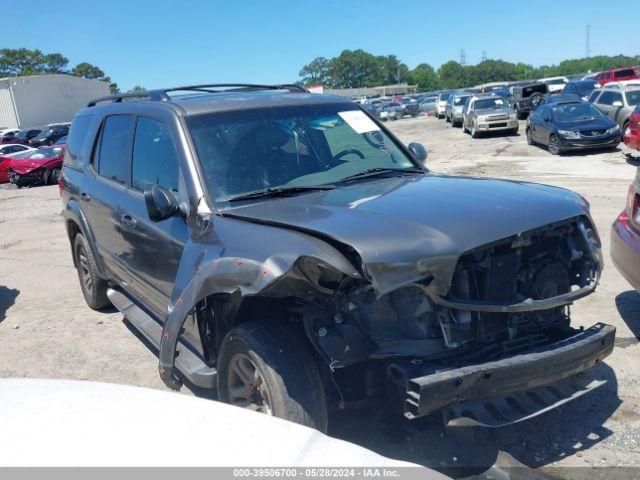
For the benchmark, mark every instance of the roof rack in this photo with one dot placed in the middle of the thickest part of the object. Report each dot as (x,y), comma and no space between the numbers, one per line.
(161,94)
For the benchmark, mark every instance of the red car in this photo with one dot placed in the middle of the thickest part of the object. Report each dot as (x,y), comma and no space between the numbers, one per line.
(625,237)
(40,167)
(616,75)
(631,136)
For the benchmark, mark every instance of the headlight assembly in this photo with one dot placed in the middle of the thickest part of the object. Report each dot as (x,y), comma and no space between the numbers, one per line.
(568,134)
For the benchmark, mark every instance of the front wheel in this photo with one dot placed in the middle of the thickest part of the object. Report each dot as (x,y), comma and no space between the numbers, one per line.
(264,368)
(529,137)
(474,132)
(54,176)
(554,145)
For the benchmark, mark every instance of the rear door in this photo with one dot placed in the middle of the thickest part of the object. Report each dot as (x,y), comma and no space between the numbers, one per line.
(153,249)
(105,189)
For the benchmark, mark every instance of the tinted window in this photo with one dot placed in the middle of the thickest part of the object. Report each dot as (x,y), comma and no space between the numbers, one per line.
(629,72)
(77,137)
(154,156)
(594,95)
(112,157)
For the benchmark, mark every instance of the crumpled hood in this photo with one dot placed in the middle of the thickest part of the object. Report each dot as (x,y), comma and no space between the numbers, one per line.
(407,228)
(25,166)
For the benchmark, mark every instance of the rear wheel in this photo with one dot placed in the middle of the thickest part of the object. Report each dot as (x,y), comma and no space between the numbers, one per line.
(264,368)
(93,287)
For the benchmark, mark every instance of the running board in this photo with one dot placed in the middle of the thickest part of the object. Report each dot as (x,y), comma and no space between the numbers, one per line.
(512,408)
(188,363)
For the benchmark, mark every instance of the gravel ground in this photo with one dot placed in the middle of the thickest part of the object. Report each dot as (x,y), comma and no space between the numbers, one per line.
(46,331)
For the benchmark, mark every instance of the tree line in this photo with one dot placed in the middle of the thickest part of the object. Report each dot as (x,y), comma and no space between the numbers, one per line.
(357,68)
(22,61)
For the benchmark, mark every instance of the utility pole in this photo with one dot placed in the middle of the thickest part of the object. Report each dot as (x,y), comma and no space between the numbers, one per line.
(463,57)
(484,55)
(587,49)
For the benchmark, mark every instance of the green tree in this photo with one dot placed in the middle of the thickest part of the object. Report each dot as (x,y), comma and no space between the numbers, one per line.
(391,70)
(452,75)
(315,72)
(136,89)
(354,69)
(22,61)
(491,71)
(425,77)
(86,70)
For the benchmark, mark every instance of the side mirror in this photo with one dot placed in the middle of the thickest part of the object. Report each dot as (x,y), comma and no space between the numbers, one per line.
(161,204)
(418,151)
(617,103)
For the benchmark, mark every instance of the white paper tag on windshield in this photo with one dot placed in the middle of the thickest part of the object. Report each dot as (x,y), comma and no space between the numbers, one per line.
(358,121)
(499,101)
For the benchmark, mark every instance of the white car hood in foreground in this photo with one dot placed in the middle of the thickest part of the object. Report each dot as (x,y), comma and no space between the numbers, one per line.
(70,423)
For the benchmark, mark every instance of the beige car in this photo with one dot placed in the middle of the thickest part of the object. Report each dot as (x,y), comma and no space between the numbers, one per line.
(488,113)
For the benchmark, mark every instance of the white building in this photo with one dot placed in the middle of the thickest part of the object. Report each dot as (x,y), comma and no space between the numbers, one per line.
(38,100)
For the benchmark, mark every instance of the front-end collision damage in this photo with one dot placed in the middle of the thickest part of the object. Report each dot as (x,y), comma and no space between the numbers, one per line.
(502,300)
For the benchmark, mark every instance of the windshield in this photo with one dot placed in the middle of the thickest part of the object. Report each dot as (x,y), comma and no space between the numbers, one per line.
(556,81)
(633,97)
(460,100)
(443,97)
(22,134)
(497,102)
(580,88)
(430,100)
(300,146)
(576,112)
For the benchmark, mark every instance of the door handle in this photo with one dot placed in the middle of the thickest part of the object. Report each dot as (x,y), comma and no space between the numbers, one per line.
(128,220)
(85,196)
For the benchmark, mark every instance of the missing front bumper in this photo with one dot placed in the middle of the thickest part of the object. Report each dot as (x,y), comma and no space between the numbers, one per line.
(543,367)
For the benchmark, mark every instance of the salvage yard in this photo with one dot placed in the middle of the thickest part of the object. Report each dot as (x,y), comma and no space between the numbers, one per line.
(47,331)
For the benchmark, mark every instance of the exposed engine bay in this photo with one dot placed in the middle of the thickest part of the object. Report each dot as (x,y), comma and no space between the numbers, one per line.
(409,322)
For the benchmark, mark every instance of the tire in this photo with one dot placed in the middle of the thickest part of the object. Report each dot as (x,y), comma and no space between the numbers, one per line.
(554,148)
(513,131)
(530,140)
(93,287)
(54,176)
(474,132)
(277,366)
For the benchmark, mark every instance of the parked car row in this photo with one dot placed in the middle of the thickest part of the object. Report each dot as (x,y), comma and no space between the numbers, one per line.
(25,165)
(35,136)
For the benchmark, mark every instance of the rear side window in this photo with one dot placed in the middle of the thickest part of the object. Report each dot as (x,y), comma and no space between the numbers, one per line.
(154,157)
(77,139)
(112,155)
(629,72)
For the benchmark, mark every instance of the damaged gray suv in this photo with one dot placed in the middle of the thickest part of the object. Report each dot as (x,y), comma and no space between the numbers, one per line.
(286,250)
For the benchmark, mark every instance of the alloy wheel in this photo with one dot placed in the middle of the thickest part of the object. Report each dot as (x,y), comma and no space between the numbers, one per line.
(247,388)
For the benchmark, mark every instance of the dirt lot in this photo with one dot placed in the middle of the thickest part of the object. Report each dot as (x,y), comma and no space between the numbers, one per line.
(47,331)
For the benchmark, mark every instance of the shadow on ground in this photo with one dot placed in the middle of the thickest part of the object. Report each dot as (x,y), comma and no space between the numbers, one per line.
(460,452)
(7,299)
(628,305)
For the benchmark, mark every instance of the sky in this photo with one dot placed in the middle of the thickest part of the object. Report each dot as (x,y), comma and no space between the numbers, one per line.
(163,43)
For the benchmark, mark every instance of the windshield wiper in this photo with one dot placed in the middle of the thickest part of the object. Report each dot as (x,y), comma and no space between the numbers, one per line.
(279,192)
(378,170)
